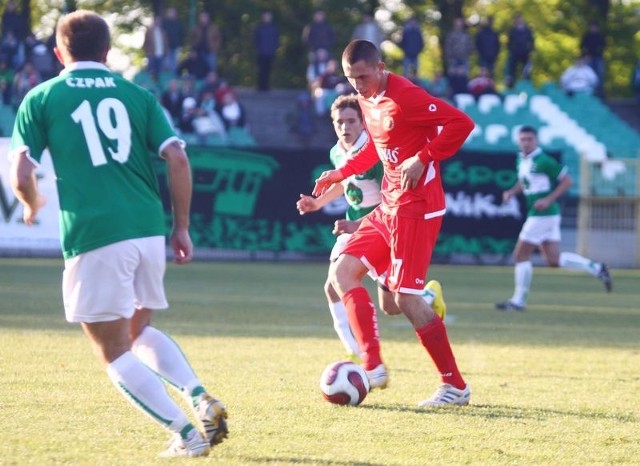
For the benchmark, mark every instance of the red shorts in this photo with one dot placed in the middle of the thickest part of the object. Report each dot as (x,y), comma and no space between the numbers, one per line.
(400,246)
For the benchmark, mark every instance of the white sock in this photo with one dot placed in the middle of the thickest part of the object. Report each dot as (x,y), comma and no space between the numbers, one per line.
(163,355)
(429,296)
(342,328)
(146,392)
(571,260)
(523,274)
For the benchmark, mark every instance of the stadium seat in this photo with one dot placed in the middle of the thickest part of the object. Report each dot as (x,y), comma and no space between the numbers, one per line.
(487,102)
(495,132)
(462,101)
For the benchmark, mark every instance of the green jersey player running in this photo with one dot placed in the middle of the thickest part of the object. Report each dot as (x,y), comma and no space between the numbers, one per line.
(101,131)
(542,180)
(362,193)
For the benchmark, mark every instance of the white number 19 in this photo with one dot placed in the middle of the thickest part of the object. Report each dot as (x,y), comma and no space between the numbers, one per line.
(113,122)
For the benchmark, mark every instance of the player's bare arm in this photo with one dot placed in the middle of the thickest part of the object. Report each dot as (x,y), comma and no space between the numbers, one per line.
(513,191)
(25,187)
(410,172)
(308,204)
(563,185)
(179,175)
(345,226)
(326,180)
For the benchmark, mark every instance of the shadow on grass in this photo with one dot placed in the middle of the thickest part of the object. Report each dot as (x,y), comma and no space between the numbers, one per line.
(290,460)
(488,411)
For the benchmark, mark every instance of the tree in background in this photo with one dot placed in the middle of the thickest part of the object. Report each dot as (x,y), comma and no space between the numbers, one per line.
(557,24)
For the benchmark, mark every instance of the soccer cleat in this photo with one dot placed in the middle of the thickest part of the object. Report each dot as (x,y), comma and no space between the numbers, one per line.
(448,395)
(605,277)
(378,377)
(212,415)
(194,445)
(510,306)
(438,305)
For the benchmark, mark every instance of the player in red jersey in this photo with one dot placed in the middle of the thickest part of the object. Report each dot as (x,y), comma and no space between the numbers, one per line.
(411,132)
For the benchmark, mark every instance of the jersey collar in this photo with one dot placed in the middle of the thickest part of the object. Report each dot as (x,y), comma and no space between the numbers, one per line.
(84,65)
(532,154)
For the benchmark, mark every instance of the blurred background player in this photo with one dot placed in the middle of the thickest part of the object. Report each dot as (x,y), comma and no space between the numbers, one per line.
(543,180)
(100,130)
(410,131)
(362,193)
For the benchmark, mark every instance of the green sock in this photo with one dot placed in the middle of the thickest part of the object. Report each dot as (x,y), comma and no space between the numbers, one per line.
(195,394)
(184,432)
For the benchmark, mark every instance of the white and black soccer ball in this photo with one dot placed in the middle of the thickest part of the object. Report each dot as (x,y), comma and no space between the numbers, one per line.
(344,383)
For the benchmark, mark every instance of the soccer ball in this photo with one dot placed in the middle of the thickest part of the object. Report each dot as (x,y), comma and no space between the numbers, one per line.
(344,383)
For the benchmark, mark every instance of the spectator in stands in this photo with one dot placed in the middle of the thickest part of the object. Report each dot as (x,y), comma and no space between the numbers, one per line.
(172,99)
(211,83)
(266,41)
(156,47)
(231,110)
(327,88)
(24,80)
(208,106)
(319,34)
(579,77)
(317,66)
(368,29)
(193,65)
(482,84)
(458,46)
(458,80)
(188,86)
(175,38)
(411,44)
(43,61)
(521,43)
(439,86)
(592,46)
(6,82)
(10,48)
(487,45)
(206,40)
(12,22)
(304,122)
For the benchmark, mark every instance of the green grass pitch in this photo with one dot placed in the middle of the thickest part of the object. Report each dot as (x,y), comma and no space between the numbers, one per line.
(555,385)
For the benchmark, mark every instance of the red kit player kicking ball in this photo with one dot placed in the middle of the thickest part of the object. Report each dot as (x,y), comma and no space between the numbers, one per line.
(398,237)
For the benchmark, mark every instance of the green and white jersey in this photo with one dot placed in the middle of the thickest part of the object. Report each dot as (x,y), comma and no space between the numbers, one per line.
(101,131)
(362,192)
(539,174)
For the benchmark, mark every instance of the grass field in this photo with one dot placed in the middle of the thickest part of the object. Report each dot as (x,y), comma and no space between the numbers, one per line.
(556,385)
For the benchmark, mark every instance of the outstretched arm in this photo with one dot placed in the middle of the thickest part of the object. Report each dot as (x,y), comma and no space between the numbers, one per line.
(308,204)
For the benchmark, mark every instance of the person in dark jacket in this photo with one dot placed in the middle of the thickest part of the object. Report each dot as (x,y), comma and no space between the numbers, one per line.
(319,34)
(592,46)
(266,40)
(411,44)
(487,45)
(521,44)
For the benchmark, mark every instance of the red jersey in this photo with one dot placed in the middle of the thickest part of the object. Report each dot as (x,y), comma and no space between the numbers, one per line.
(403,122)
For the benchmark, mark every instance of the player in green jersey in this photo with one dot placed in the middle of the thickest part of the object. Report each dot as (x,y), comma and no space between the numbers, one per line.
(101,131)
(362,193)
(542,180)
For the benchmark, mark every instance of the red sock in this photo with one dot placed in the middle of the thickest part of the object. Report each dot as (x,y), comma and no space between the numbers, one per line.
(362,318)
(433,337)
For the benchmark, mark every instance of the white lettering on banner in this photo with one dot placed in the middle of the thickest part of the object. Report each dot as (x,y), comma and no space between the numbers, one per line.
(480,205)
(14,234)
(88,83)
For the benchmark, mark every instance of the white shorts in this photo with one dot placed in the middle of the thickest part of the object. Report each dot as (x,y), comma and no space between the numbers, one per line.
(111,282)
(537,230)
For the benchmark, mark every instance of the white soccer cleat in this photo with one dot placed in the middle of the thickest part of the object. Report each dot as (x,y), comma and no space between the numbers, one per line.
(434,289)
(378,377)
(194,445)
(447,394)
(212,414)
